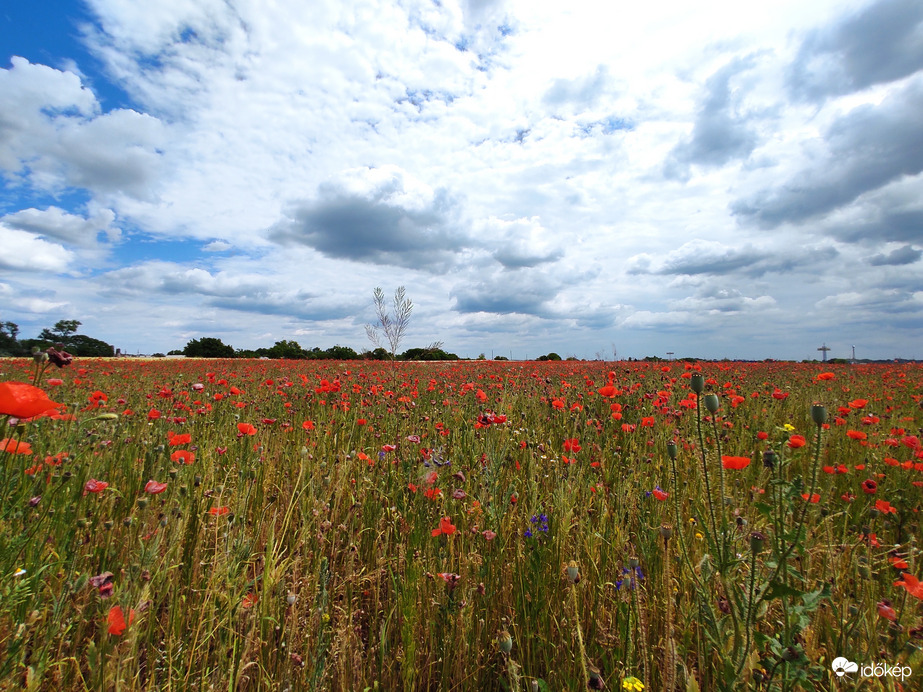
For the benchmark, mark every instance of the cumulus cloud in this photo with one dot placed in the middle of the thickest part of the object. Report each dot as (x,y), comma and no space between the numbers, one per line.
(880,43)
(906,254)
(865,149)
(227,290)
(23,251)
(698,257)
(507,292)
(721,132)
(379,216)
(53,135)
(58,224)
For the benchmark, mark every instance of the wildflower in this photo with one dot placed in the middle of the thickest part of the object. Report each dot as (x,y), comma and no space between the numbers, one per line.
(885,507)
(660,494)
(886,611)
(183,456)
(489,535)
(179,439)
(735,463)
(571,445)
(219,511)
(94,486)
(12,446)
(58,356)
(826,376)
(116,620)
(788,427)
(245,429)
(796,441)
(103,584)
(869,487)
(446,527)
(856,435)
(22,400)
(632,684)
(153,487)
(913,585)
(858,403)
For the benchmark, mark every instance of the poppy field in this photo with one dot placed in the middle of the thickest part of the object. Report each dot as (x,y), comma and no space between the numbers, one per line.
(319,525)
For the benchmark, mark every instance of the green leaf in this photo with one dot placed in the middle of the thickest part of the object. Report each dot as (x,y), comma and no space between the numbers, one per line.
(779,590)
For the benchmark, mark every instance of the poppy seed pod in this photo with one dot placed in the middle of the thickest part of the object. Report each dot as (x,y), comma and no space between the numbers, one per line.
(573,573)
(818,414)
(666,532)
(505,642)
(712,403)
(697,382)
(757,542)
(671,450)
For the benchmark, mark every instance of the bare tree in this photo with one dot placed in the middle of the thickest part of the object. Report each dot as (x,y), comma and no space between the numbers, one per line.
(391,326)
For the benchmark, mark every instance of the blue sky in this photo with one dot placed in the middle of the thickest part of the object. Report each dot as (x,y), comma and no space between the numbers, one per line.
(713,179)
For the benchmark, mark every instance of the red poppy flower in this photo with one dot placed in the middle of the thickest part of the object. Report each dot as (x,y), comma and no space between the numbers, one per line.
(885,507)
(308,425)
(886,611)
(245,429)
(181,439)
(183,456)
(445,527)
(660,494)
(826,376)
(219,511)
(572,445)
(869,486)
(153,487)
(913,585)
(55,381)
(796,441)
(116,620)
(153,414)
(735,463)
(897,562)
(22,400)
(856,435)
(94,486)
(814,499)
(858,403)
(8,444)
(762,435)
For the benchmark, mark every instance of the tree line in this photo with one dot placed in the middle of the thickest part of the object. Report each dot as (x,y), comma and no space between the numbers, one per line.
(64,334)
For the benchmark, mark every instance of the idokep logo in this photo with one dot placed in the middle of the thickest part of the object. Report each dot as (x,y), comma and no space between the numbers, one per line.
(842,666)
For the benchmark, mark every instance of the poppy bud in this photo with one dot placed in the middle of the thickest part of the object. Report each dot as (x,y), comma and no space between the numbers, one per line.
(769,459)
(697,382)
(671,450)
(757,542)
(712,403)
(819,414)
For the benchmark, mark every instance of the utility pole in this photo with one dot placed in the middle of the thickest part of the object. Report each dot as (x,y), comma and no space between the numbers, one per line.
(854,353)
(824,348)
(670,353)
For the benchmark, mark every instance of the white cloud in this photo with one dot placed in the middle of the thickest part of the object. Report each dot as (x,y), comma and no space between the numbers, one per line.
(503,159)
(23,251)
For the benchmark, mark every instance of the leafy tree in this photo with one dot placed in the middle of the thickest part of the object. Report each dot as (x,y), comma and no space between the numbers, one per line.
(549,356)
(61,332)
(8,344)
(376,354)
(208,347)
(290,350)
(391,326)
(87,346)
(340,353)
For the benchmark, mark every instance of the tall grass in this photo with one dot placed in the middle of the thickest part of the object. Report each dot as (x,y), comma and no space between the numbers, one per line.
(598,540)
